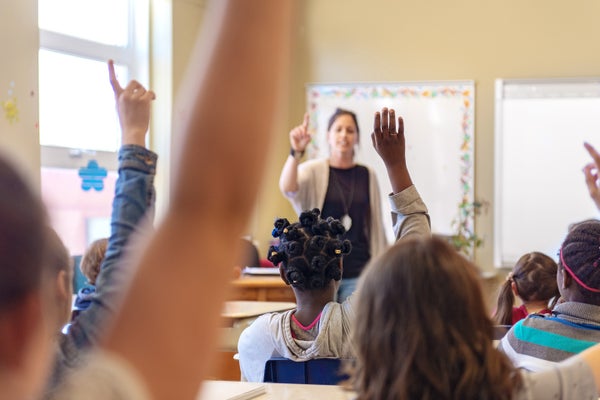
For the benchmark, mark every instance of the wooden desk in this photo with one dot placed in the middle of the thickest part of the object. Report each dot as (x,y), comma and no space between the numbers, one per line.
(240,309)
(261,288)
(222,390)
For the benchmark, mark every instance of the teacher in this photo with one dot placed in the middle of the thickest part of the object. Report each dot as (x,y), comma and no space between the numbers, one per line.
(340,188)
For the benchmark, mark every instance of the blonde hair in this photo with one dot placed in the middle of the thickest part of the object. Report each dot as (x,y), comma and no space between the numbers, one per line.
(92,259)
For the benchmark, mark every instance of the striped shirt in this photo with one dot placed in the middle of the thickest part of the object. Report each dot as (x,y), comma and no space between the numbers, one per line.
(540,341)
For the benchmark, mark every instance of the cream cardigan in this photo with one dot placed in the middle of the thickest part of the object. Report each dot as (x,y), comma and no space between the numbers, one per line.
(313,180)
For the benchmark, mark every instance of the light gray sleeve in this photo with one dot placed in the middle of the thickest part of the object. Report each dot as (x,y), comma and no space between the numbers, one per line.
(571,379)
(409,214)
(255,347)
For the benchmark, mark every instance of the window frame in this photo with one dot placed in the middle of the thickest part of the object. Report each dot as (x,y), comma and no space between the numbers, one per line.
(134,56)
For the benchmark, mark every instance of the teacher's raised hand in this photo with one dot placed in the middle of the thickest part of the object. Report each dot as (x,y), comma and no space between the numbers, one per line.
(299,136)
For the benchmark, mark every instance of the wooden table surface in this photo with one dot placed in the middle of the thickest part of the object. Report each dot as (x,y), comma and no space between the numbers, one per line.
(261,288)
(223,390)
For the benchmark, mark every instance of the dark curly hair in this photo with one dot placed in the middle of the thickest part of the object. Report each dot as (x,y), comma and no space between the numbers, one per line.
(580,256)
(310,251)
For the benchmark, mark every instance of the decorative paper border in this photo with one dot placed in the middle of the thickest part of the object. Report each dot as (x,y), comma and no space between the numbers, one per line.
(461,90)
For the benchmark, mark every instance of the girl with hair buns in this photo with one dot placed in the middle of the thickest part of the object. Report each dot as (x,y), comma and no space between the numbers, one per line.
(311,254)
(533,280)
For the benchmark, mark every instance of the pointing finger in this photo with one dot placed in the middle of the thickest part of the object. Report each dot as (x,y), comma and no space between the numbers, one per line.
(112,76)
(592,151)
(305,122)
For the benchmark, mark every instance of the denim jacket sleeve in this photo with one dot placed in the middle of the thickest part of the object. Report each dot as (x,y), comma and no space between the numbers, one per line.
(134,200)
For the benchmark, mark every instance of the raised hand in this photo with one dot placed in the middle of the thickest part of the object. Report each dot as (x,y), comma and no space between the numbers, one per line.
(299,136)
(388,141)
(133,108)
(591,174)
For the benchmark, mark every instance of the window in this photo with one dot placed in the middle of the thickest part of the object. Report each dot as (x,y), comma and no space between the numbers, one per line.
(78,122)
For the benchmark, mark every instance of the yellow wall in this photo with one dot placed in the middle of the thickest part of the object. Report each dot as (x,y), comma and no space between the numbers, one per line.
(382,40)
(19,42)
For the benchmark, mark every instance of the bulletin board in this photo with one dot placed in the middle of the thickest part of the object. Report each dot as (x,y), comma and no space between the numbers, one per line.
(540,189)
(438,126)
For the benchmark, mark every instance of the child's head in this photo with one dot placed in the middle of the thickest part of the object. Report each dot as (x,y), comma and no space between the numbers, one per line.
(422,329)
(579,263)
(92,259)
(27,328)
(310,251)
(533,278)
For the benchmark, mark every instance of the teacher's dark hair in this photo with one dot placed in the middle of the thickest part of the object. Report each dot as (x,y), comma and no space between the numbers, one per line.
(338,113)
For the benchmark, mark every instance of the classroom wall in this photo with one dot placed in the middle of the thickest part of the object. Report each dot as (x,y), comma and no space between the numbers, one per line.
(381,40)
(353,41)
(19,42)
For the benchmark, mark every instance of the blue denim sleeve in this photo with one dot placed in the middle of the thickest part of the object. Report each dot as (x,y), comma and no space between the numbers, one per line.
(134,200)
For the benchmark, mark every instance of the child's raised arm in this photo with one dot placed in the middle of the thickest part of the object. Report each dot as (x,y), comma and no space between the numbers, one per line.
(231,95)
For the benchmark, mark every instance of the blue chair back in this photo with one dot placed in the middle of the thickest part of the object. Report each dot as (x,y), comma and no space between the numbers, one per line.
(318,371)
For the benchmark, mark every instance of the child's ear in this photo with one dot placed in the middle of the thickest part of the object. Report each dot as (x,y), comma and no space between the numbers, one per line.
(62,286)
(513,286)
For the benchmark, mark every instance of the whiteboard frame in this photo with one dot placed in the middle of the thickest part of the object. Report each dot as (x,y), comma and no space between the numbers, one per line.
(461,90)
(499,97)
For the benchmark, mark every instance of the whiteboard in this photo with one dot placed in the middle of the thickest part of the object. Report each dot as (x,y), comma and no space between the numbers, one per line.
(438,126)
(539,185)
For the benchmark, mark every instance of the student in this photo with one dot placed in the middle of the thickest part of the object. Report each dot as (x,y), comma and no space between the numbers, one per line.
(26,286)
(310,260)
(340,188)
(533,280)
(249,254)
(310,256)
(574,325)
(422,331)
(540,341)
(154,348)
(92,259)
(90,268)
(133,203)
